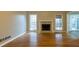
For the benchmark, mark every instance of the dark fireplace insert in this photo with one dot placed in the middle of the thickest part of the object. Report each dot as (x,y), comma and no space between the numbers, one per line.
(45,27)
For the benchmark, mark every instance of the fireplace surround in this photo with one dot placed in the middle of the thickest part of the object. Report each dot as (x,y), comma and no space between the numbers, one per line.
(45,26)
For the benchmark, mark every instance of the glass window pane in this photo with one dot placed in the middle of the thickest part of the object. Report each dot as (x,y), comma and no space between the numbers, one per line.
(58,22)
(73,22)
(77,22)
(33,22)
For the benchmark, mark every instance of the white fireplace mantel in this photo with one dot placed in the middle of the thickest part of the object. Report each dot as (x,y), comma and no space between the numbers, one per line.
(45,22)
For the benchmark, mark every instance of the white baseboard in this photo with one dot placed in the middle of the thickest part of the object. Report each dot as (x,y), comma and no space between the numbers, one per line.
(9,40)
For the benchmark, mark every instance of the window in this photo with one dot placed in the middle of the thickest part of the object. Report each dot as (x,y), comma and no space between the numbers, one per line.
(74,22)
(58,23)
(33,22)
(78,23)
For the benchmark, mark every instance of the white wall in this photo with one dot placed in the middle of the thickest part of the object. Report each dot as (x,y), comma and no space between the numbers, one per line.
(12,23)
(48,15)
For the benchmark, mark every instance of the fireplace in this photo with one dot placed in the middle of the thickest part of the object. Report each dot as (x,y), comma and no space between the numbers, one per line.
(46,27)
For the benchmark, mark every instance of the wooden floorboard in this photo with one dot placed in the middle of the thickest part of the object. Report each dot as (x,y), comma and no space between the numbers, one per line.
(45,40)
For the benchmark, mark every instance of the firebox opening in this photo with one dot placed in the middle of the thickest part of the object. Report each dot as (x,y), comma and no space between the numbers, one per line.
(45,27)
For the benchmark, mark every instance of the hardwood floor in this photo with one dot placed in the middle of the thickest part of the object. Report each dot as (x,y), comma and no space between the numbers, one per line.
(33,39)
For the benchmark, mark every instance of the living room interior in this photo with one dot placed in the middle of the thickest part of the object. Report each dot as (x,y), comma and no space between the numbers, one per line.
(39,28)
